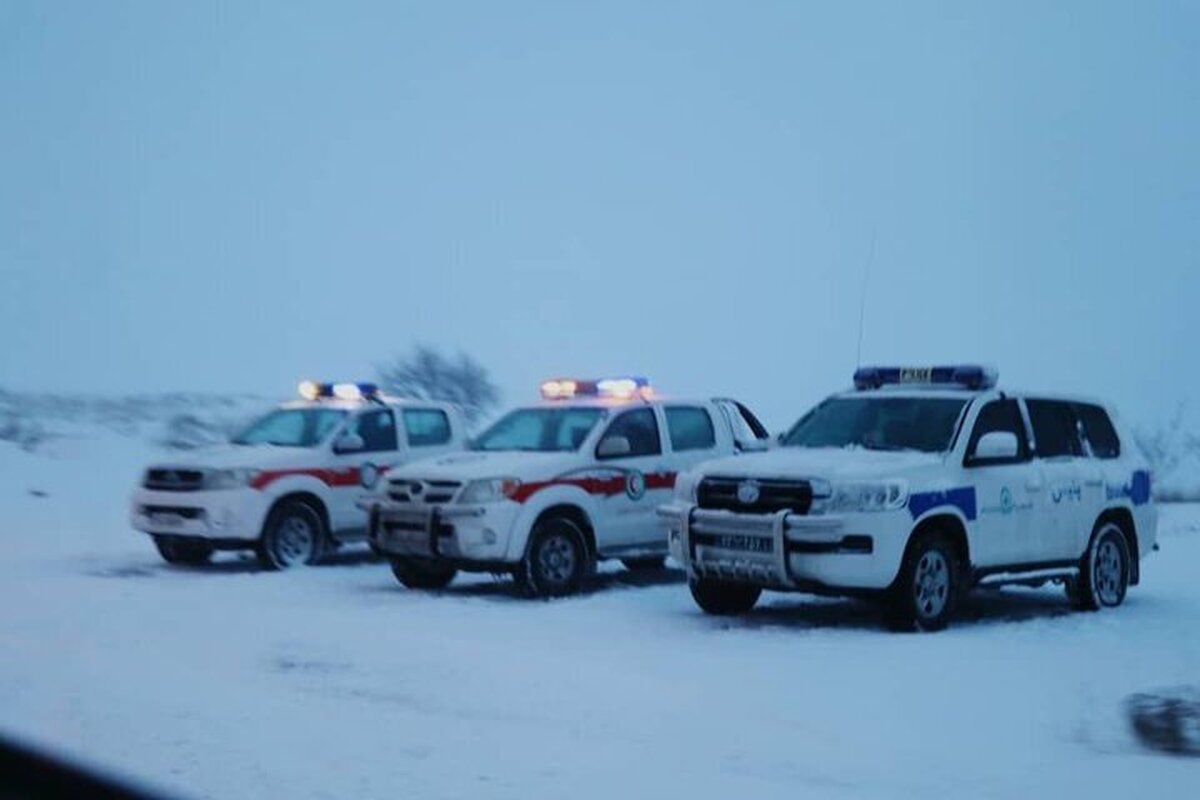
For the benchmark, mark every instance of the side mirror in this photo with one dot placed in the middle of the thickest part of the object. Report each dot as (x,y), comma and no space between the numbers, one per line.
(349,443)
(754,446)
(996,446)
(613,447)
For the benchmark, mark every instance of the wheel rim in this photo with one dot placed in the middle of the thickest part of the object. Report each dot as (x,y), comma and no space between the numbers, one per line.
(556,559)
(294,541)
(1107,572)
(931,585)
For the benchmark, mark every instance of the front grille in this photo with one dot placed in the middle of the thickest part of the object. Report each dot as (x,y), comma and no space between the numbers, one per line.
(179,511)
(411,490)
(174,480)
(772,495)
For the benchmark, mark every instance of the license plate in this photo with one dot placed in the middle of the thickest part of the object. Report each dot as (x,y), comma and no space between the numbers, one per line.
(746,544)
(167,520)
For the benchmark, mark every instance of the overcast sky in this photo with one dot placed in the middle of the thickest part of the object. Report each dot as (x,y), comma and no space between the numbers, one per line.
(232,196)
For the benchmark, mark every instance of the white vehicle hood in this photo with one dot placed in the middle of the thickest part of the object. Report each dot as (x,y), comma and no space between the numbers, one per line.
(830,463)
(476,465)
(231,456)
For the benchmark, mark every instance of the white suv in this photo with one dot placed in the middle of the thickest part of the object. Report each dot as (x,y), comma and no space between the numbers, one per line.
(286,486)
(549,489)
(915,487)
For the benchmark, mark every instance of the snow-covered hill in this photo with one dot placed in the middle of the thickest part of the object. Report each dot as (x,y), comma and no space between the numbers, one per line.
(178,419)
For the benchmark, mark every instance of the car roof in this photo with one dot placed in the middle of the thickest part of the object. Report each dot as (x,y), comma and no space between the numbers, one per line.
(969,394)
(608,403)
(917,391)
(359,405)
(1065,397)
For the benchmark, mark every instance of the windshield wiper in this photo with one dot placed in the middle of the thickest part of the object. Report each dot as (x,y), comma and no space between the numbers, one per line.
(881,448)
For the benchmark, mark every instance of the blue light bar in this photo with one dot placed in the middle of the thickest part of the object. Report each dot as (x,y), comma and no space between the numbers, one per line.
(969,376)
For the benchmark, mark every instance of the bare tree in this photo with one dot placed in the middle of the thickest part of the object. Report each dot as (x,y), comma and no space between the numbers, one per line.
(427,374)
(1163,445)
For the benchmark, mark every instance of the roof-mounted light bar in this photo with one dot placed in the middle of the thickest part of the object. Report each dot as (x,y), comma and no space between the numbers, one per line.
(618,388)
(969,376)
(311,390)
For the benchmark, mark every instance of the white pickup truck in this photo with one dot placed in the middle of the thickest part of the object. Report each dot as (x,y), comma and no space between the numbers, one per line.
(549,489)
(286,486)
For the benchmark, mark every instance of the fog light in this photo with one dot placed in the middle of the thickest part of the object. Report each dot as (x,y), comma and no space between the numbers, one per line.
(489,536)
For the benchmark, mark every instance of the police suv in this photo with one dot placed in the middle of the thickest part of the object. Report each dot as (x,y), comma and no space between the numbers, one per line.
(915,487)
(286,486)
(549,489)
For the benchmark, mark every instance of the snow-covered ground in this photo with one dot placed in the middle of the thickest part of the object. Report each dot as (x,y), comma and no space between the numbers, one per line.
(336,682)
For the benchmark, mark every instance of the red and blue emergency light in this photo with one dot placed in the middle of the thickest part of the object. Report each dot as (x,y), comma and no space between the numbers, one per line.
(619,388)
(312,390)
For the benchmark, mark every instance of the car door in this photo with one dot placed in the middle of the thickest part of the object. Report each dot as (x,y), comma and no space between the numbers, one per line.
(635,482)
(357,468)
(1058,450)
(1006,489)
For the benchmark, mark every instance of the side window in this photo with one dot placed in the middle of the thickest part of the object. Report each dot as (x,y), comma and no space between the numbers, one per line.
(426,426)
(640,428)
(690,428)
(378,431)
(1099,430)
(1055,429)
(1003,416)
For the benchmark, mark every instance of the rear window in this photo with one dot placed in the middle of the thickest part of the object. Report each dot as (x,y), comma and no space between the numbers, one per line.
(1098,428)
(690,428)
(1055,429)
(426,426)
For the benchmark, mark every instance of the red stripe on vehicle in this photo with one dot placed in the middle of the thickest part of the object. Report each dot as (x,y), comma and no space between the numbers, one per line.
(333,478)
(603,487)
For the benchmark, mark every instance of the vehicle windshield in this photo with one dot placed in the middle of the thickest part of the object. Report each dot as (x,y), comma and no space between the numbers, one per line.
(925,424)
(546,430)
(292,427)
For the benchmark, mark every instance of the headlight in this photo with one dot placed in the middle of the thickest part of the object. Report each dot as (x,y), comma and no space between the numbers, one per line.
(874,496)
(489,490)
(685,486)
(230,478)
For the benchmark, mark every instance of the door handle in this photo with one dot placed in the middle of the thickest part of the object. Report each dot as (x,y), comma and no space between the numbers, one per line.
(1093,482)
(1034,486)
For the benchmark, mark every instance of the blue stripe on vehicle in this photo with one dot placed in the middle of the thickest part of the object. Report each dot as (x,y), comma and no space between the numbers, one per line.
(962,498)
(1139,487)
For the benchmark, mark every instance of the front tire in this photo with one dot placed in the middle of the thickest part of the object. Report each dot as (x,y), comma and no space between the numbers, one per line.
(1103,572)
(556,560)
(293,536)
(178,551)
(422,573)
(926,590)
(723,599)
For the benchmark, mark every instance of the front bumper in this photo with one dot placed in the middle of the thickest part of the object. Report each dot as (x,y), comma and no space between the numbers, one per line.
(459,533)
(786,550)
(226,514)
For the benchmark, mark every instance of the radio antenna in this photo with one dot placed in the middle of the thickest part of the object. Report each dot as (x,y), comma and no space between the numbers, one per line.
(862,302)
